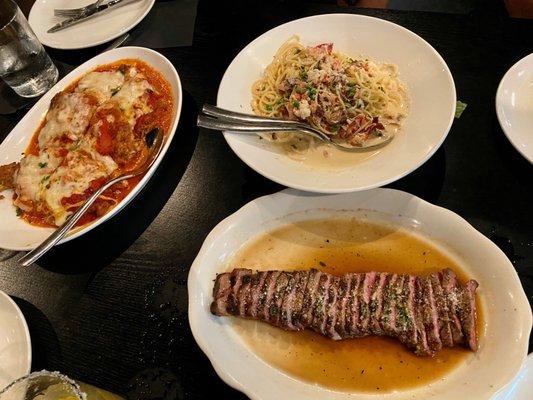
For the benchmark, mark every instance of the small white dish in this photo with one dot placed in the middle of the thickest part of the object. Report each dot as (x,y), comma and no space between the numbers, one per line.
(514,106)
(15,233)
(15,343)
(429,83)
(508,319)
(521,387)
(99,29)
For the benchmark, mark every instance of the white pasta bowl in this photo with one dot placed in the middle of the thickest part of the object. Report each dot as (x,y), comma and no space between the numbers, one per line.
(429,83)
(504,335)
(15,233)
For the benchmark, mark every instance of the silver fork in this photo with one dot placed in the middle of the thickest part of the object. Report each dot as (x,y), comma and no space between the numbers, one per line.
(76,12)
(219,119)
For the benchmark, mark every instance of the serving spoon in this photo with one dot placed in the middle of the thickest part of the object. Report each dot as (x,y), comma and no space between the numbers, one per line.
(220,119)
(154,140)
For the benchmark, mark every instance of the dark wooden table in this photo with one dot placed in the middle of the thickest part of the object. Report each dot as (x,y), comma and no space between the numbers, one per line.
(110,308)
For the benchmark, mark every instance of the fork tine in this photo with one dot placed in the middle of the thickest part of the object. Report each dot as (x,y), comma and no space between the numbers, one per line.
(58,12)
(66,13)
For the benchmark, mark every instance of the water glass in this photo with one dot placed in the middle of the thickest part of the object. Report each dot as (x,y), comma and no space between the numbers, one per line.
(24,64)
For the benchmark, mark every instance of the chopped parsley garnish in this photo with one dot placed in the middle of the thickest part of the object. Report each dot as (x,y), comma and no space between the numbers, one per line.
(296,104)
(18,211)
(269,107)
(115,91)
(311,91)
(351,91)
(42,164)
(45,178)
(303,75)
(334,128)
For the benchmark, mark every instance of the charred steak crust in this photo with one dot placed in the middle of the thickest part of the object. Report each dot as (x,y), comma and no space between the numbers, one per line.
(424,313)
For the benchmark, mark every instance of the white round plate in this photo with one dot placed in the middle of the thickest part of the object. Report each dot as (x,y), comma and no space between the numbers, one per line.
(99,29)
(514,106)
(430,86)
(521,387)
(503,338)
(15,344)
(15,233)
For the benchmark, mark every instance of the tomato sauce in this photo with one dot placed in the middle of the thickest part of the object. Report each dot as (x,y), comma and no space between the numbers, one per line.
(108,140)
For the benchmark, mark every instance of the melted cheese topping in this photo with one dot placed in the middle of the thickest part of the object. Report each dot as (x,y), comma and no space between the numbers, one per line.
(68,161)
(69,116)
(101,85)
(75,175)
(131,99)
(33,173)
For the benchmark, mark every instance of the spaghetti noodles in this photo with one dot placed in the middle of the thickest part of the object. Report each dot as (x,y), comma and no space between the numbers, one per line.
(350,99)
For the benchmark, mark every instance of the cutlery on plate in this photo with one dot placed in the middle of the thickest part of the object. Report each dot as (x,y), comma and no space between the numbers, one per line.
(220,119)
(154,140)
(86,15)
(74,12)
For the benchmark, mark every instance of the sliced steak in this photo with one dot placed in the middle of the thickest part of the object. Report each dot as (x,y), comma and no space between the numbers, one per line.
(445,332)
(376,304)
(388,315)
(310,295)
(366,294)
(333,309)
(449,288)
(424,313)
(279,294)
(468,313)
(430,315)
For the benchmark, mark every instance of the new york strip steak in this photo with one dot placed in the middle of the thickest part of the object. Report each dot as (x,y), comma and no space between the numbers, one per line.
(424,313)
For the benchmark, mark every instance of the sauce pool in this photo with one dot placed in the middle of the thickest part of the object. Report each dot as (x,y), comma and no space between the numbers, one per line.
(337,246)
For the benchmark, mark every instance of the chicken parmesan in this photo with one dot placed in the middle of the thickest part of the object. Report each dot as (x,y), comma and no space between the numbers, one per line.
(94,131)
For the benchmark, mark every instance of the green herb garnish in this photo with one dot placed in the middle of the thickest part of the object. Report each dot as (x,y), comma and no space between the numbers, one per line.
(296,104)
(45,178)
(269,107)
(42,164)
(303,75)
(459,108)
(18,211)
(351,91)
(115,91)
(311,91)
